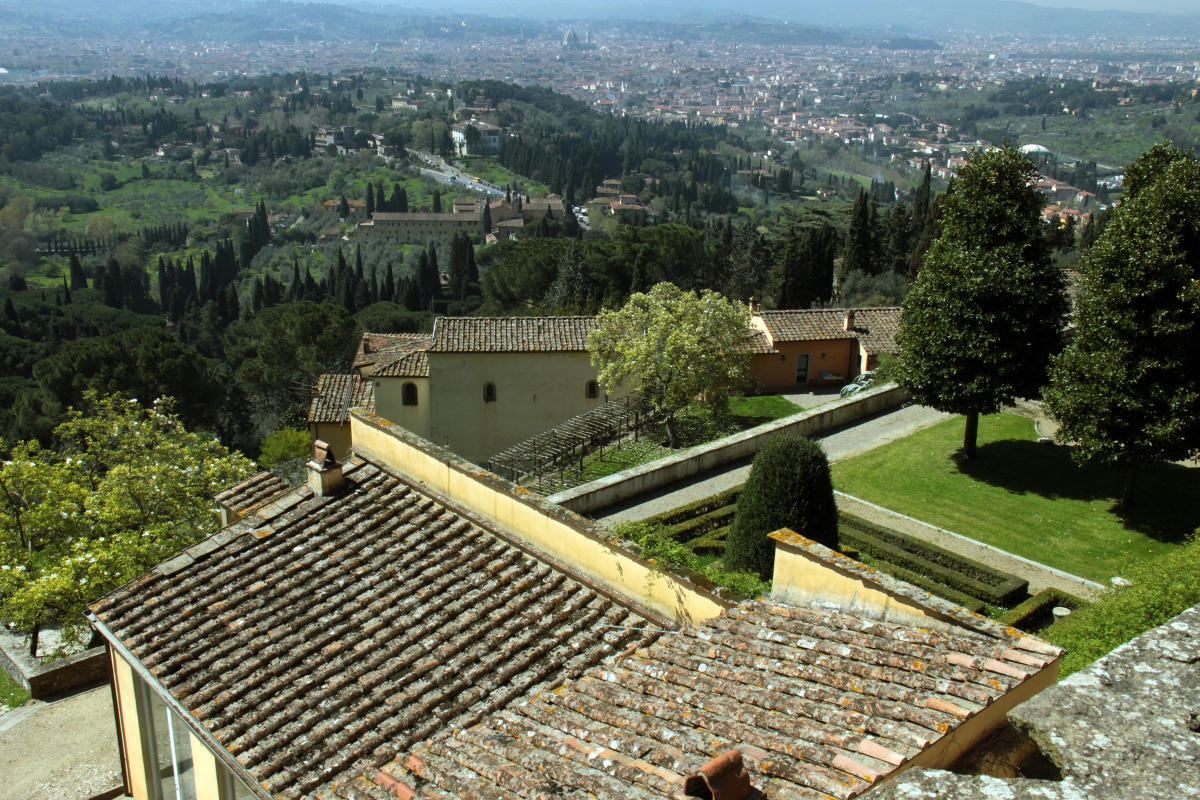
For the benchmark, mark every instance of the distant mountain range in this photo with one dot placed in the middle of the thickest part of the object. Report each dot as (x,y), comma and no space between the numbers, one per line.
(870,19)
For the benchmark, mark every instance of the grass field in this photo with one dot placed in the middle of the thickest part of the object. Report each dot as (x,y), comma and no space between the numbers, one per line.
(11,692)
(1025,497)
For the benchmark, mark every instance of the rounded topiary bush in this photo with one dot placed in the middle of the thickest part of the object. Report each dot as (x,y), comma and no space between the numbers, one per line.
(789,487)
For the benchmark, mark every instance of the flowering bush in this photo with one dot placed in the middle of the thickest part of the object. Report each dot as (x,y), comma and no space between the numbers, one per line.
(127,487)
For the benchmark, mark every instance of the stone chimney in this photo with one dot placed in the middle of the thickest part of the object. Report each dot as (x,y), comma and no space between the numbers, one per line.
(723,778)
(848,323)
(324,471)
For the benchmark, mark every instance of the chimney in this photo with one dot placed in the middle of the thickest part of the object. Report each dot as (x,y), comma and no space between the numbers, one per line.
(848,325)
(723,778)
(324,472)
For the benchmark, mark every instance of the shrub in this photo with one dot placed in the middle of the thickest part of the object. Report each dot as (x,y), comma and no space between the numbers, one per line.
(788,487)
(285,444)
(1162,587)
(935,563)
(1036,612)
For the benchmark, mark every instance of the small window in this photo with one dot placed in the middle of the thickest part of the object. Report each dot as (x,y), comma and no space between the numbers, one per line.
(408,394)
(592,390)
(489,393)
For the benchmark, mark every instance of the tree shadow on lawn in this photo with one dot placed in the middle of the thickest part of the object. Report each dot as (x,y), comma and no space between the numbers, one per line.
(1161,509)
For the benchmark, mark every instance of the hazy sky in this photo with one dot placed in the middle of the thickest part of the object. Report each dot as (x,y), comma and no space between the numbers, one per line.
(1150,6)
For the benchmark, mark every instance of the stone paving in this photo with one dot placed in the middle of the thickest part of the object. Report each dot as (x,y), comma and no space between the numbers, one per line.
(65,750)
(839,443)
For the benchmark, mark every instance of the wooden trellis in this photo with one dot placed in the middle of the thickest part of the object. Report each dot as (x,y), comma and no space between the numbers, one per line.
(544,462)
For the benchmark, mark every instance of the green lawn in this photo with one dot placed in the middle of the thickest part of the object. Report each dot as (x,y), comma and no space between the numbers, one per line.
(11,693)
(1025,497)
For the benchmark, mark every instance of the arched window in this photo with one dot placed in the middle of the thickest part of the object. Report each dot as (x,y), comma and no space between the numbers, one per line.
(408,394)
(489,393)
(592,390)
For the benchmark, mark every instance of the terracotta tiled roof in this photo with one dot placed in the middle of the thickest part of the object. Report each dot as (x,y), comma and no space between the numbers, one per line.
(821,703)
(317,637)
(393,355)
(336,395)
(255,490)
(803,325)
(760,344)
(510,334)
(876,329)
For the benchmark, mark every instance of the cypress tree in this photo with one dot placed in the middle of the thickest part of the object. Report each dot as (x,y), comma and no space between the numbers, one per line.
(789,487)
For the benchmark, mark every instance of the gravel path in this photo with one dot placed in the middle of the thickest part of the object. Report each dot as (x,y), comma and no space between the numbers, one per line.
(839,443)
(66,750)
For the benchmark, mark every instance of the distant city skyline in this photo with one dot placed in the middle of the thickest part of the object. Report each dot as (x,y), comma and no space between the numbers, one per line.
(1139,6)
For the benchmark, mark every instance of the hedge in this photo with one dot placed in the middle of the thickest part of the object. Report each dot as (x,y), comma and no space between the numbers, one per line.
(1163,586)
(698,526)
(698,508)
(959,573)
(1035,613)
(933,587)
(710,544)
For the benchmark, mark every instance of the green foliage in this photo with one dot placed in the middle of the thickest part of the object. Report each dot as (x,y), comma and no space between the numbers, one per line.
(932,563)
(986,311)
(788,487)
(1162,588)
(128,486)
(285,444)
(672,346)
(1036,613)
(1126,391)
(142,363)
(657,546)
(12,694)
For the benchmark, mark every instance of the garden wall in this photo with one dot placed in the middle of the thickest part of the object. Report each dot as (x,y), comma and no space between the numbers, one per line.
(620,486)
(44,678)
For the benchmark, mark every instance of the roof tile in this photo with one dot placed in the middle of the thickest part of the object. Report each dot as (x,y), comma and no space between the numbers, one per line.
(511,334)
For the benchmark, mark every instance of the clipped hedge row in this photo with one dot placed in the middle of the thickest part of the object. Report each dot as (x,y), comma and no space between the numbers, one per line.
(698,508)
(710,544)
(942,566)
(1036,612)
(933,587)
(705,523)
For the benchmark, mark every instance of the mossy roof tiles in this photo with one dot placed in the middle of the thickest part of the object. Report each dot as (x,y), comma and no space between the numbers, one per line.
(822,704)
(320,639)
(511,334)
(335,395)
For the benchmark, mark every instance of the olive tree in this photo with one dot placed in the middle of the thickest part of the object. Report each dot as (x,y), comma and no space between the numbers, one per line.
(673,347)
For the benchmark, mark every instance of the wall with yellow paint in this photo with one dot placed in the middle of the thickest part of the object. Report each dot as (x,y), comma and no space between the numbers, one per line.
(534,392)
(530,521)
(389,403)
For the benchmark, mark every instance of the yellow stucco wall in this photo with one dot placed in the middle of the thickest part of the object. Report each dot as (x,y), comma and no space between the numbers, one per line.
(127,720)
(389,403)
(534,392)
(532,522)
(205,772)
(778,371)
(801,579)
(336,436)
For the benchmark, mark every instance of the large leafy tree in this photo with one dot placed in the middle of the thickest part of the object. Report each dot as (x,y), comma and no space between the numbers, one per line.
(673,347)
(986,311)
(1126,391)
(128,487)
